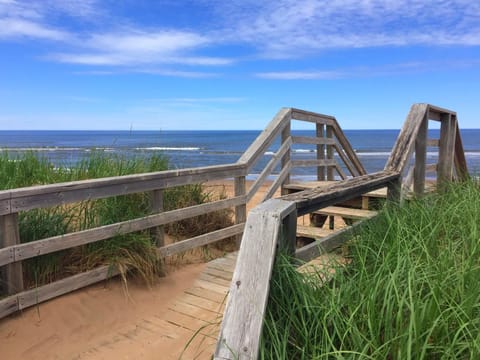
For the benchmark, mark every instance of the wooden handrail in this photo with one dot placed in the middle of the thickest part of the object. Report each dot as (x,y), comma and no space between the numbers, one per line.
(244,313)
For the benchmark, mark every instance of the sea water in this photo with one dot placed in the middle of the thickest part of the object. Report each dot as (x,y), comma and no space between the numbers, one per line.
(187,149)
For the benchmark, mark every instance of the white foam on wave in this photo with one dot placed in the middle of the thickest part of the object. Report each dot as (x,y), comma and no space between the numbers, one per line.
(168,148)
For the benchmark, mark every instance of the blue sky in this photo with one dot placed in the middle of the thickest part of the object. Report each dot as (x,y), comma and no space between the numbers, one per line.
(216,64)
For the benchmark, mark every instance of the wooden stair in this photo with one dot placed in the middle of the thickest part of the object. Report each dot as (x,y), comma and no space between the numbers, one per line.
(346,213)
(312,232)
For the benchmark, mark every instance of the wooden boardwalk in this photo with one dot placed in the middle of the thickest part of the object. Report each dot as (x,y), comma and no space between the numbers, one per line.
(188,330)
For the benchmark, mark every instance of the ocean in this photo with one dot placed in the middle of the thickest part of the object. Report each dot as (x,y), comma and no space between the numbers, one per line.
(186,149)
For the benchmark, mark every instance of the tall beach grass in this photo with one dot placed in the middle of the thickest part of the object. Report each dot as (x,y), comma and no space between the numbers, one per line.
(411,289)
(135,251)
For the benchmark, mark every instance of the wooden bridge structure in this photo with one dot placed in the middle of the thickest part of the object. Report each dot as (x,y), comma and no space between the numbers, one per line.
(342,189)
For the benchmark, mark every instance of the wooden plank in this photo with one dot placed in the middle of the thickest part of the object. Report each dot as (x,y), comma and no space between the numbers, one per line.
(8,306)
(286,140)
(313,140)
(379,193)
(211,286)
(267,170)
(430,168)
(215,279)
(446,150)
(206,294)
(201,303)
(59,194)
(320,132)
(222,274)
(460,161)
(340,171)
(278,182)
(308,185)
(243,320)
(312,232)
(64,286)
(10,237)
(309,116)
(158,232)
(314,199)
(346,161)
(311,163)
(56,243)
(435,112)
(328,243)
(420,158)
(330,148)
(200,240)
(265,139)
(240,189)
(7,255)
(348,213)
(347,147)
(196,312)
(404,145)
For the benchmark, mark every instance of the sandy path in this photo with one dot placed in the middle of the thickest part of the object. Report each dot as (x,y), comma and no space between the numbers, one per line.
(103,316)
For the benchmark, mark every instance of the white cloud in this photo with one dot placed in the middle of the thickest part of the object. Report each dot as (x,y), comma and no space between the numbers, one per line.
(133,47)
(13,28)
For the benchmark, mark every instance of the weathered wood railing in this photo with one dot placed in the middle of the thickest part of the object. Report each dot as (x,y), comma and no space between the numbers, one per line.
(413,139)
(329,140)
(272,224)
(269,226)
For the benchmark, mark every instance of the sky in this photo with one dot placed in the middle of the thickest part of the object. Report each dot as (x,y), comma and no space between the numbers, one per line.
(227,64)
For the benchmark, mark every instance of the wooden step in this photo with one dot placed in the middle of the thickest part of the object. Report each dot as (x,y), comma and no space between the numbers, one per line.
(312,232)
(347,213)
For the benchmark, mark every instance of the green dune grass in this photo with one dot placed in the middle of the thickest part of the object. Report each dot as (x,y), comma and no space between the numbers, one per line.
(410,291)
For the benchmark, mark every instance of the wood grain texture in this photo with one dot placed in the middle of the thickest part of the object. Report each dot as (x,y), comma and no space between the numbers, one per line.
(320,133)
(240,189)
(312,117)
(286,139)
(420,158)
(266,138)
(56,243)
(243,319)
(200,240)
(64,193)
(267,171)
(347,147)
(314,199)
(9,237)
(461,168)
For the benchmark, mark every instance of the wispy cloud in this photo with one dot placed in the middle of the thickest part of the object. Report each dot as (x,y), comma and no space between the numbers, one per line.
(15,28)
(290,28)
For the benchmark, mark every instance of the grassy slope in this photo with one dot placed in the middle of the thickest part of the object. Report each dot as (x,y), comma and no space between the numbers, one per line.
(411,290)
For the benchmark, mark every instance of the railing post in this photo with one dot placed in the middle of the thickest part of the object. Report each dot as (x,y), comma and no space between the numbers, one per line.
(394,190)
(446,149)
(240,210)
(286,133)
(288,235)
(158,233)
(320,132)
(10,235)
(329,153)
(420,158)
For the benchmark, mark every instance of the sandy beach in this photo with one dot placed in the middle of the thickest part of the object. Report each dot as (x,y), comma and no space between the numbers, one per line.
(63,328)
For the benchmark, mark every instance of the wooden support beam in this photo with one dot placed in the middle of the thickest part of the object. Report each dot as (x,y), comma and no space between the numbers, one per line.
(446,151)
(286,138)
(320,132)
(330,154)
(420,158)
(10,236)
(240,210)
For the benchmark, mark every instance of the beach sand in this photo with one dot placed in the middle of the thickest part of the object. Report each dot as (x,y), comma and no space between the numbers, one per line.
(65,327)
